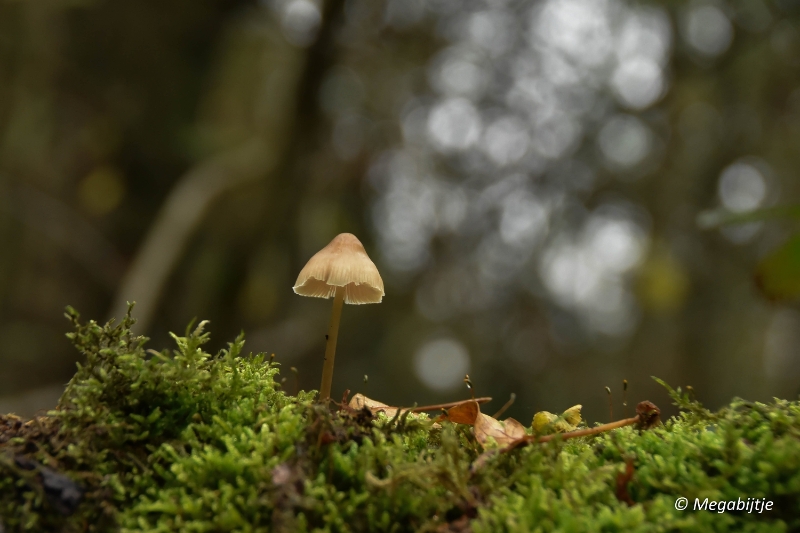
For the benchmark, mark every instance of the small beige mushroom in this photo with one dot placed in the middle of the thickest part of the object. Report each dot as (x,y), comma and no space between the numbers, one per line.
(342,270)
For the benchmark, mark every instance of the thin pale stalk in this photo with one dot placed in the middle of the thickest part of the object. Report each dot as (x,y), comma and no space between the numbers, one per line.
(587,432)
(330,345)
(447,405)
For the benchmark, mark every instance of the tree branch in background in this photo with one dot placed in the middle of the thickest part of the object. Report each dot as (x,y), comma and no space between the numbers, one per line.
(191,197)
(180,215)
(304,130)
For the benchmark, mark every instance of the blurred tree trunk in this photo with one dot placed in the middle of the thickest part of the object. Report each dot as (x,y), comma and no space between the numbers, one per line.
(292,141)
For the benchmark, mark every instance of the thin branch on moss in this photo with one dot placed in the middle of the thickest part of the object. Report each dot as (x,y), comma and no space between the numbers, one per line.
(648,416)
(508,404)
(448,405)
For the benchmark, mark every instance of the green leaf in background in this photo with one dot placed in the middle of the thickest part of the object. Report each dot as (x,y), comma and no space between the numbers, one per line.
(778,274)
(714,218)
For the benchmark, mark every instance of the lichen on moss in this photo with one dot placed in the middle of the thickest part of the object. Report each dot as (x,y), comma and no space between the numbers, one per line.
(183,440)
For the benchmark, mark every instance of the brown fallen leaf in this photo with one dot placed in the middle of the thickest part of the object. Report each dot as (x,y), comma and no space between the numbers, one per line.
(464,413)
(464,409)
(359,401)
(503,433)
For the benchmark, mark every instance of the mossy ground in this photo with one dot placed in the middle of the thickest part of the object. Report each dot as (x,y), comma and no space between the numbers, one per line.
(188,441)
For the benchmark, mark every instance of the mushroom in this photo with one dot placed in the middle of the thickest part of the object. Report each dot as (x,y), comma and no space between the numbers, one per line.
(343,270)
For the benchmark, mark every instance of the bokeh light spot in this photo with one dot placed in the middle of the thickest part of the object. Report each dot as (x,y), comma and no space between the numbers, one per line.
(456,72)
(441,364)
(742,187)
(454,124)
(506,141)
(638,82)
(707,30)
(625,141)
(616,242)
(580,29)
(300,22)
(523,219)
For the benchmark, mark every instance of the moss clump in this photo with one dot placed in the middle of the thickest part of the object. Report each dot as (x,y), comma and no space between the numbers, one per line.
(188,441)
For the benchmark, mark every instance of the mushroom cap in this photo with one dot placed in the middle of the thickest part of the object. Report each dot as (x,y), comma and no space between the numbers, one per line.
(342,263)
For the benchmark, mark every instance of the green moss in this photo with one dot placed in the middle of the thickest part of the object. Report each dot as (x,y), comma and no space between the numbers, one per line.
(184,440)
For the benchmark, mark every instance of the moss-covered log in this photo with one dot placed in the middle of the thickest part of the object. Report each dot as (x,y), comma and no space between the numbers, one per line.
(184,440)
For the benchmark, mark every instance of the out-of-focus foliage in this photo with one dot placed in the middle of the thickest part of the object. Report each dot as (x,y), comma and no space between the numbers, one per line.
(779,272)
(526,175)
(183,440)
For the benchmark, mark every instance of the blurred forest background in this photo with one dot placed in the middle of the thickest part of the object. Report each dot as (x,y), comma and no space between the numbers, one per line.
(527,176)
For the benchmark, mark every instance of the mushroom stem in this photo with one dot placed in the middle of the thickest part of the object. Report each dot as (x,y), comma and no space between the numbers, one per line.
(330,345)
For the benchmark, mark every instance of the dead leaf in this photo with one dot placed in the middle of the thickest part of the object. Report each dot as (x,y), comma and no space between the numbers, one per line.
(514,429)
(359,401)
(464,413)
(503,433)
